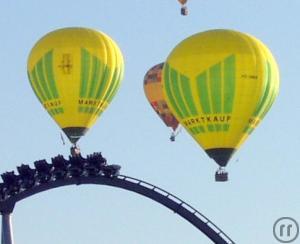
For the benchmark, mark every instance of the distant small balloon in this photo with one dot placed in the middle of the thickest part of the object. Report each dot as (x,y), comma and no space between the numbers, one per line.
(75,73)
(183,10)
(182,1)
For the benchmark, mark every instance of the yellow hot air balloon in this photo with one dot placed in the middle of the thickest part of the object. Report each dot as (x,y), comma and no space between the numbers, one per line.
(219,84)
(154,93)
(75,73)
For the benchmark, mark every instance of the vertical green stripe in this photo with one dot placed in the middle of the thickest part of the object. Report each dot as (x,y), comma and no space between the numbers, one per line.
(169,92)
(61,110)
(251,130)
(42,80)
(218,127)
(95,76)
(268,97)
(54,111)
(266,101)
(203,93)
(197,130)
(112,85)
(229,83)
(225,127)
(98,112)
(211,128)
(248,130)
(85,66)
(178,96)
(185,85)
(114,91)
(116,87)
(48,59)
(272,96)
(50,112)
(266,91)
(80,109)
(92,110)
(215,88)
(37,85)
(267,108)
(193,130)
(103,83)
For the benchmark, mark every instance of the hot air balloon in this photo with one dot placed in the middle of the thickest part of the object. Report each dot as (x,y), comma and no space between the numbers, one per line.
(183,10)
(75,73)
(219,84)
(154,93)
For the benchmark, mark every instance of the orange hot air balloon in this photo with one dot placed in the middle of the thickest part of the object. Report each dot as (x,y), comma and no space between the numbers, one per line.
(154,93)
(182,1)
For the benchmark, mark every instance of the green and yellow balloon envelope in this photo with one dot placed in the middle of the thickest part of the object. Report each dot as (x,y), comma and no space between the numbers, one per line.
(75,73)
(219,84)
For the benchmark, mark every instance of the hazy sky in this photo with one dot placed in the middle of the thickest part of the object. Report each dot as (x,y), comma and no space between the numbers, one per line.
(264,173)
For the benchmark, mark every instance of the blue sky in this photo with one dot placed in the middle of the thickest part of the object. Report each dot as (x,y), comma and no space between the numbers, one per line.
(264,173)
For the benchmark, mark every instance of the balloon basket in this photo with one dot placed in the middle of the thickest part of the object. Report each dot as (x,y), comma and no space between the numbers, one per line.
(221,175)
(172,137)
(75,151)
(184,11)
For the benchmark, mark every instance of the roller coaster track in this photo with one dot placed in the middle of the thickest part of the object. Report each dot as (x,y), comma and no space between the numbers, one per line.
(202,223)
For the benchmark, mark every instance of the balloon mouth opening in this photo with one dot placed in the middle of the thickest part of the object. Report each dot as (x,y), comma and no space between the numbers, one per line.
(220,155)
(74,133)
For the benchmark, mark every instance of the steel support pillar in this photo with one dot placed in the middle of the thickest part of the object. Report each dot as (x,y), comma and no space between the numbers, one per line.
(7,233)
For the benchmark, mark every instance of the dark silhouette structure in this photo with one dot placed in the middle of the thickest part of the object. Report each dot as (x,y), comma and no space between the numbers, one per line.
(91,170)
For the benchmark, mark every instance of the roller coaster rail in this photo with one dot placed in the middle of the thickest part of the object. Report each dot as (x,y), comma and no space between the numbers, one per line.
(92,170)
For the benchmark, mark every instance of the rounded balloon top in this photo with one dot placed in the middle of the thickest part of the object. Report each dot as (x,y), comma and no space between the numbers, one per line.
(219,84)
(182,1)
(74,37)
(75,73)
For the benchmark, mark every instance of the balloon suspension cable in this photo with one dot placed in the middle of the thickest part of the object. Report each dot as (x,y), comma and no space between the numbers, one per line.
(75,150)
(178,130)
(175,133)
(62,139)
